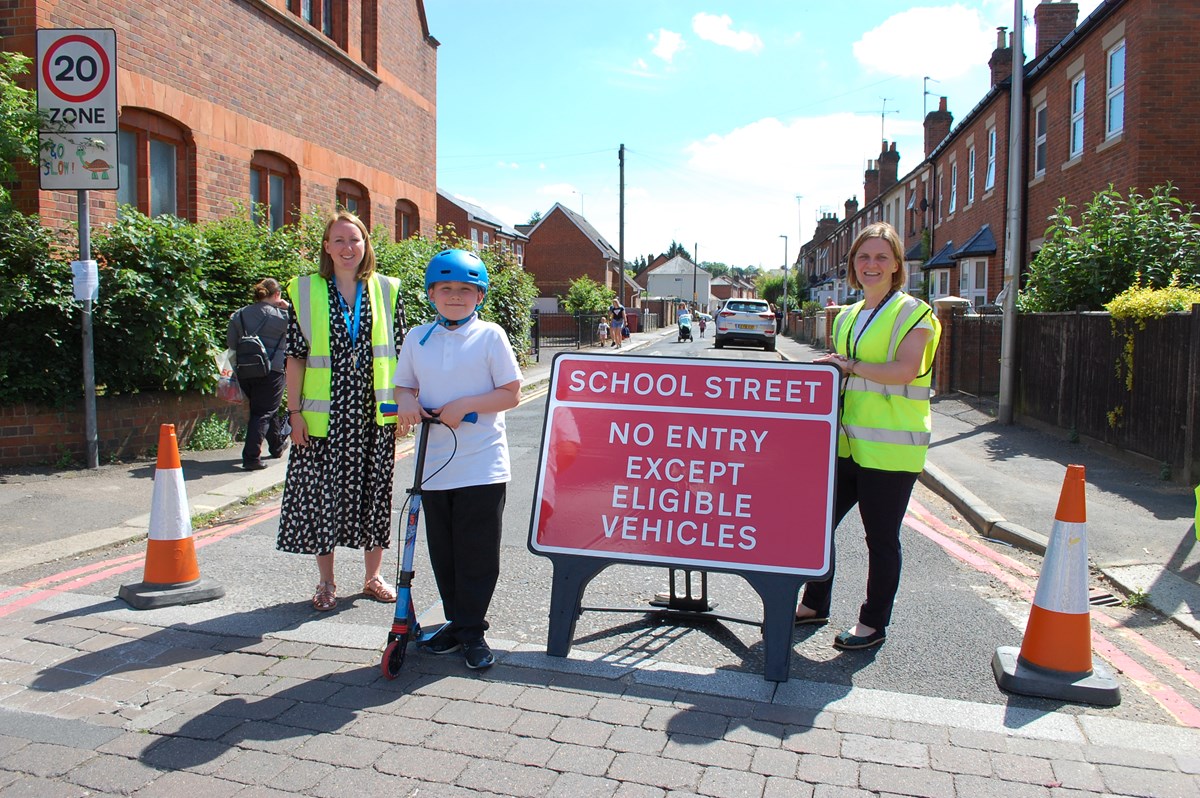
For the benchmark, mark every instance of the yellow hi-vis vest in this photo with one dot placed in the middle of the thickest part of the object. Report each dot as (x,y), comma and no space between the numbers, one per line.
(310,298)
(886,426)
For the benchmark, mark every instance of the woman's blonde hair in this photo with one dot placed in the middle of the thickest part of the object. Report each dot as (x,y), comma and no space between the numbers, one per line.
(887,233)
(367,267)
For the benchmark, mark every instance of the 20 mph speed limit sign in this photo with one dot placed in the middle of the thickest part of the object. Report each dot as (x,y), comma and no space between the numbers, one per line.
(77,95)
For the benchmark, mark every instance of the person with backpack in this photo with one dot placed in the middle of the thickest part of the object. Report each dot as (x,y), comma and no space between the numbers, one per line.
(256,335)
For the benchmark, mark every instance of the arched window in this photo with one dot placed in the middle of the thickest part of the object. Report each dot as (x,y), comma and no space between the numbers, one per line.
(274,182)
(354,198)
(408,220)
(155,164)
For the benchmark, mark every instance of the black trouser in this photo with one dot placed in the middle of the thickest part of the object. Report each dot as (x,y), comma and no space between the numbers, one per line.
(462,527)
(265,395)
(882,499)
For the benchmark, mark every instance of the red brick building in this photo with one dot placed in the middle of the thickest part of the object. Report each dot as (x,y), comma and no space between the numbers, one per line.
(563,246)
(479,225)
(299,104)
(1105,100)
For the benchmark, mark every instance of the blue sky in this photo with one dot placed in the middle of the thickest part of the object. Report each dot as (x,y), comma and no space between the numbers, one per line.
(728,112)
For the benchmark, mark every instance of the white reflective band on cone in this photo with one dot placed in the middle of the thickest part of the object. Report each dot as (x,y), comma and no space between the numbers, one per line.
(1063,584)
(169,516)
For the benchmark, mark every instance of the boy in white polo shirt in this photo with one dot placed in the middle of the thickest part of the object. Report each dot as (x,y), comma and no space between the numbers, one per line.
(456,365)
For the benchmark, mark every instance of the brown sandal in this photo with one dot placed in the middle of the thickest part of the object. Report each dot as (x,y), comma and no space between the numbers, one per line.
(378,589)
(325,598)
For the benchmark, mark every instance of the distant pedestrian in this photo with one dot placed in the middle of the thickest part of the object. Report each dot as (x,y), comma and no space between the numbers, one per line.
(341,352)
(602,331)
(616,312)
(266,318)
(457,365)
(885,341)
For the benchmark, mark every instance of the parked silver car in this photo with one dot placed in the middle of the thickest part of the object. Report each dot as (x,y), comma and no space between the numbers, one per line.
(746,321)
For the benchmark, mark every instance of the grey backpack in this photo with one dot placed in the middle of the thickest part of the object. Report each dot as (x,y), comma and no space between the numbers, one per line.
(251,357)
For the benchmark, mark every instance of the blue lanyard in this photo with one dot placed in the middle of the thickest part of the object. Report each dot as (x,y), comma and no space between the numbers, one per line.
(352,326)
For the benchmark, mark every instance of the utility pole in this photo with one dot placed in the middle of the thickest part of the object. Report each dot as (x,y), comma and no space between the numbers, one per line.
(799,234)
(621,224)
(695,274)
(785,271)
(1012,225)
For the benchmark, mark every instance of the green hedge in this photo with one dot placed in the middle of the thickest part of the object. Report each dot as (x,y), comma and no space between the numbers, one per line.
(167,290)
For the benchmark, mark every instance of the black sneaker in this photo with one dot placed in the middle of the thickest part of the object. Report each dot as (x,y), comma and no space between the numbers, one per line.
(256,465)
(441,644)
(478,655)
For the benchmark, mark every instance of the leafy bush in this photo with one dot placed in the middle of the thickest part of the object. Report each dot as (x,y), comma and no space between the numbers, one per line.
(210,433)
(42,357)
(152,331)
(585,295)
(1132,307)
(1117,243)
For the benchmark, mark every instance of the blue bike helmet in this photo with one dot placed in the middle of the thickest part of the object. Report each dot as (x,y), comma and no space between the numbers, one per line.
(456,265)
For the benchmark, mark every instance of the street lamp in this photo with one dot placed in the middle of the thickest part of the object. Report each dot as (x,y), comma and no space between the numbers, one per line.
(785,271)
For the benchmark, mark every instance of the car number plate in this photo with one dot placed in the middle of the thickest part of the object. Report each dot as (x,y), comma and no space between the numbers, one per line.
(747,327)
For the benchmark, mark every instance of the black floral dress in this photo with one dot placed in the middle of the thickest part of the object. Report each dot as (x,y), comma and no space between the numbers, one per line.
(338,490)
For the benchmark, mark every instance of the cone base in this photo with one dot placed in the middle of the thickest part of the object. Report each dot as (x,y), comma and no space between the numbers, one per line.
(1098,687)
(148,596)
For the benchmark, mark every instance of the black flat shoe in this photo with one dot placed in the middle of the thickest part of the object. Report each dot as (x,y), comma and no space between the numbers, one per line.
(815,620)
(849,642)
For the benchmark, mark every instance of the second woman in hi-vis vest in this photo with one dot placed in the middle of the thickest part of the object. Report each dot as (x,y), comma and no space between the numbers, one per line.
(884,346)
(343,332)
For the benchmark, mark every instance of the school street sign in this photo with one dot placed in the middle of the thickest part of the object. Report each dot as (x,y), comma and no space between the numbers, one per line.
(711,464)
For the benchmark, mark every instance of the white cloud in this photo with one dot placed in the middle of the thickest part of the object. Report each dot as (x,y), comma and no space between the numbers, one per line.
(507,165)
(668,43)
(964,40)
(719,30)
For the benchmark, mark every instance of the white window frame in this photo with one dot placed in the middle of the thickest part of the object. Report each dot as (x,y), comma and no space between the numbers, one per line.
(1078,93)
(953,187)
(972,281)
(1114,96)
(1041,121)
(989,180)
(971,174)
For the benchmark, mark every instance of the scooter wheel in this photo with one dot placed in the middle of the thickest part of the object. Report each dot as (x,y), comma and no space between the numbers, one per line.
(393,657)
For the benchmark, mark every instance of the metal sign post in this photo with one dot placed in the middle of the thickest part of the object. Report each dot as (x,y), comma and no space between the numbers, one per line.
(77,101)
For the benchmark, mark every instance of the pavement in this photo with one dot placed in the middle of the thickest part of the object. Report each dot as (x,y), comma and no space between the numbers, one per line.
(100,699)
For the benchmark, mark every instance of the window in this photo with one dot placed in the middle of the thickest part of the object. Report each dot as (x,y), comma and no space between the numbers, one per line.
(153,163)
(970,175)
(953,186)
(989,179)
(487,238)
(273,183)
(1115,96)
(1077,92)
(318,13)
(972,281)
(353,197)
(407,220)
(1039,140)
(940,189)
(474,239)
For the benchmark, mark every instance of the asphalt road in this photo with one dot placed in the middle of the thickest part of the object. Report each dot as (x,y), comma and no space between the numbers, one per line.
(948,620)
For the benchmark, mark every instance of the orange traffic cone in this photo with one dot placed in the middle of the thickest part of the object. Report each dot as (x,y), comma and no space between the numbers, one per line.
(171,575)
(1055,658)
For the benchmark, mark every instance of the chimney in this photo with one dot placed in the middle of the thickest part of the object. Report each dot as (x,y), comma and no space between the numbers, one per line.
(871,182)
(1001,60)
(889,167)
(851,207)
(937,126)
(1054,21)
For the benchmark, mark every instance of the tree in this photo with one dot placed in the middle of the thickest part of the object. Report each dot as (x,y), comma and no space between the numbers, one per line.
(586,296)
(18,120)
(716,269)
(677,249)
(535,217)
(1145,241)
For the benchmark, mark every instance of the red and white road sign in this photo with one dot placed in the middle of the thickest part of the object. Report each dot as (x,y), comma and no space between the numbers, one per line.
(77,80)
(691,463)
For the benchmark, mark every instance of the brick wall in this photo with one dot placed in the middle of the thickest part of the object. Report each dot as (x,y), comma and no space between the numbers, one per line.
(248,75)
(127,426)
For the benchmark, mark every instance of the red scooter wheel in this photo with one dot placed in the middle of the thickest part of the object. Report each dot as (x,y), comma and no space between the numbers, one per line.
(393,657)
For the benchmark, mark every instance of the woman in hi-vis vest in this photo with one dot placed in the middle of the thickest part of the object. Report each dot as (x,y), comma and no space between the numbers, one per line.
(343,334)
(884,347)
